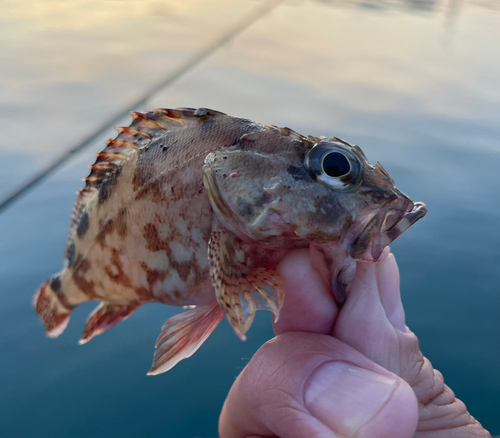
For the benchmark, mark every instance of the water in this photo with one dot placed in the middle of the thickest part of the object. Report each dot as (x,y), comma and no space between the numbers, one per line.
(416,84)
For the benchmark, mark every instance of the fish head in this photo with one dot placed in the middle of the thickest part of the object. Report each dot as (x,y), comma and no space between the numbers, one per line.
(281,191)
(370,209)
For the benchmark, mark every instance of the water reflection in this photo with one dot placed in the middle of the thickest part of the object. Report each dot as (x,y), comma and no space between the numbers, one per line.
(65,67)
(425,105)
(385,5)
(414,6)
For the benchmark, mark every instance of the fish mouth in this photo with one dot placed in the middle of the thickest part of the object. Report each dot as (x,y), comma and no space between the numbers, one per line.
(383,229)
(406,220)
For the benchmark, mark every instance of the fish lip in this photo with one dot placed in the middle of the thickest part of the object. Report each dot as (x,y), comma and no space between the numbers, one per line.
(375,236)
(418,211)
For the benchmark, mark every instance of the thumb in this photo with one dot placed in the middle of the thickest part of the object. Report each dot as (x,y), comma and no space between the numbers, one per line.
(304,384)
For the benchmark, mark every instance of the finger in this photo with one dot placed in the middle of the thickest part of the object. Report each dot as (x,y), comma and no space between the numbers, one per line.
(373,315)
(309,306)
(388,289)
(372,321)
(303,384)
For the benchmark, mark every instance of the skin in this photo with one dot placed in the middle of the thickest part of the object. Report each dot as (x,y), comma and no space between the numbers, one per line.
(353,372)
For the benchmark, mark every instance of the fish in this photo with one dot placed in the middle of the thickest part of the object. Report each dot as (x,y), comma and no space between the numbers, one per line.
(196,208)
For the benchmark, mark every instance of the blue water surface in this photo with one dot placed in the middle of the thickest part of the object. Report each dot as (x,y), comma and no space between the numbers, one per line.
(416,84)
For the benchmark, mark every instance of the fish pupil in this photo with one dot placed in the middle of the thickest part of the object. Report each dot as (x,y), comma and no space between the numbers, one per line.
(336,164)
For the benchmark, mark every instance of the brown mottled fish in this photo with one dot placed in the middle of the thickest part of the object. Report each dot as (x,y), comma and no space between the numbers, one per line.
(195,207)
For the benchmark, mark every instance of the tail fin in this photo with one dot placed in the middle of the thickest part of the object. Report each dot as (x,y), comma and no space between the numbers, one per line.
(52,307)
(183,334)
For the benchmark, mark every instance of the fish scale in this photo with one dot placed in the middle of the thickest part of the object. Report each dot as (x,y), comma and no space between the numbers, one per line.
(196,207)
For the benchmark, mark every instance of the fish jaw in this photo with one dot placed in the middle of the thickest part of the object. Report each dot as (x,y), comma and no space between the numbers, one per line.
(384,228)
(418,211)
(336,264)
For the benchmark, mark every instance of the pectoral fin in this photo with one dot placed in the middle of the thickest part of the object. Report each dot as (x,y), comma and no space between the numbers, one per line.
(239,287)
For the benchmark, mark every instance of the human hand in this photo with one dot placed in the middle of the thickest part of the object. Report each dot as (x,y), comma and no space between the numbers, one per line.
(353,372)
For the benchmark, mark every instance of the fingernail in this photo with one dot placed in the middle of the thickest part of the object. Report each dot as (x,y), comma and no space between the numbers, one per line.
(385,253)
(345,397)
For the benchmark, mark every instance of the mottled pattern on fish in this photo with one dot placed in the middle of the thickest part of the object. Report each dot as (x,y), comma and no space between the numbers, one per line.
(143,229)
(195,207)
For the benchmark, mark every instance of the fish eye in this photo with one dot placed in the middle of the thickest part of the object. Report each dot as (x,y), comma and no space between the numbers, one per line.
(336,164)
(333,164)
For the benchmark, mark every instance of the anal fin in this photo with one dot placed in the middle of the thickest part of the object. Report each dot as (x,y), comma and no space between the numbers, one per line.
(104,317)
(182,335)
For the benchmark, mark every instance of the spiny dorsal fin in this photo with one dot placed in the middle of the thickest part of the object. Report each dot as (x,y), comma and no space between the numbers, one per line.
(143,129)
(313,139)
(287,132)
